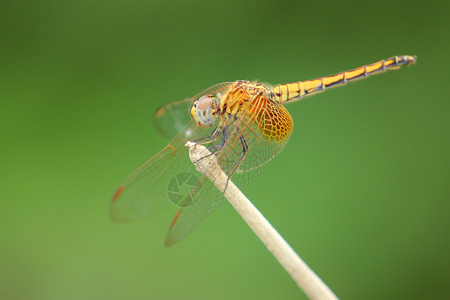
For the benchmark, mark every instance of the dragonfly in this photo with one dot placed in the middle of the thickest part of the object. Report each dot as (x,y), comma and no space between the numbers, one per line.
(244,124)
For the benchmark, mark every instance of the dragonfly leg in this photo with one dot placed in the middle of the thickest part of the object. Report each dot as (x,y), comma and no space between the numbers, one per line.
(218,147)
(237,164)
(210,138)
(222,143)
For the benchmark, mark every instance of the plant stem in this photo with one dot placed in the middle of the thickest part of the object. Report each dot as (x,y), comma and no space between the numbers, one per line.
(306,279)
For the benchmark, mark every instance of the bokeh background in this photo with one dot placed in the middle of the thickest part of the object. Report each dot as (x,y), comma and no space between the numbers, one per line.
(361,191)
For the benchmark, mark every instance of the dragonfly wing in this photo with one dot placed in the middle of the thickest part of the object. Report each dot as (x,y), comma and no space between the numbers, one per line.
(139,196)
(171,119)
(167,176)
(170,175)
(259,136)
(266,136)
(188,218)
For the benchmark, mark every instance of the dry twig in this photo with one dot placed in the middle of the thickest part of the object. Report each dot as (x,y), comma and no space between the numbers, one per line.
(307,280)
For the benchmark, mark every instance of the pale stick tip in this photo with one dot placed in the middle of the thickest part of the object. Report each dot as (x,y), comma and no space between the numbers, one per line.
(190,144)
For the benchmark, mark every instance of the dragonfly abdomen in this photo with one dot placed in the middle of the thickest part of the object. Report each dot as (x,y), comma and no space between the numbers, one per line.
(295,91)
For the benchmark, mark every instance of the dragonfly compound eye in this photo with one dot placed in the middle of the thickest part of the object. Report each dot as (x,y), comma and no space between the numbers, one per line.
(202,111)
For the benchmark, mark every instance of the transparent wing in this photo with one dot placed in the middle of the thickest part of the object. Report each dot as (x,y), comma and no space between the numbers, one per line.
(170,177)
(188,218)
(266,127)
(172,118)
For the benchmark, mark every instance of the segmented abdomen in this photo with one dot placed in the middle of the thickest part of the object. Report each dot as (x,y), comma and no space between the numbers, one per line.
(295,91)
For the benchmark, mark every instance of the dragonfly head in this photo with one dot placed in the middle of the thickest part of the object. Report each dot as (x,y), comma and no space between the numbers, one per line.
(203,111)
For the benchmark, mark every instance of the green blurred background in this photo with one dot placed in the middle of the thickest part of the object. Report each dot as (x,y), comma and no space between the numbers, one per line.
(361,191)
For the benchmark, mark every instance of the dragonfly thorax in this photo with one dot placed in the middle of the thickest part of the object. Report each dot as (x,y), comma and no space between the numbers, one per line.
(203,111)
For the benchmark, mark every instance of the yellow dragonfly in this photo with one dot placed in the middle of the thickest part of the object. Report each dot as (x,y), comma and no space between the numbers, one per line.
(244,124)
